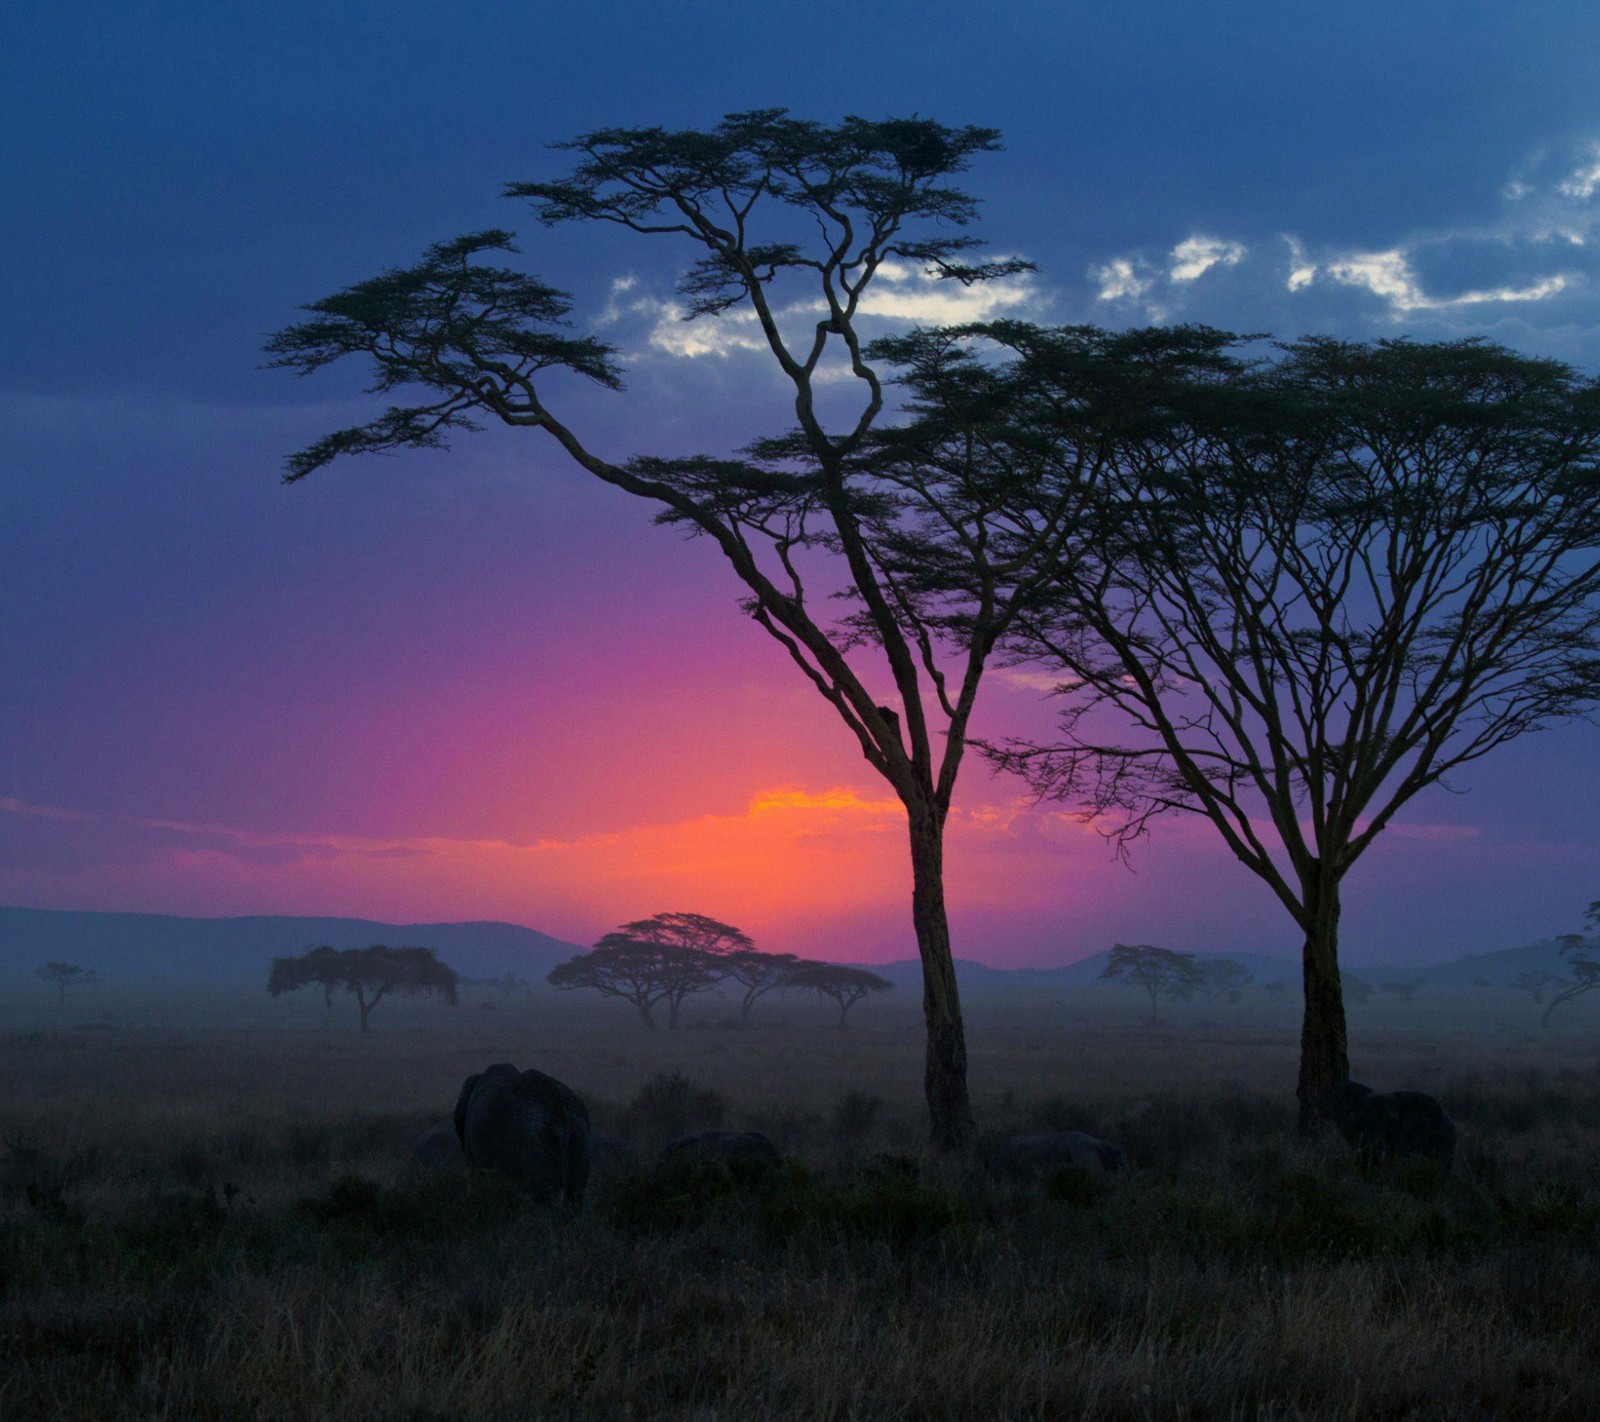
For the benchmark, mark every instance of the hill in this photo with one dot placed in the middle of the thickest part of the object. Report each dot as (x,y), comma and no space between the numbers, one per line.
(145,947)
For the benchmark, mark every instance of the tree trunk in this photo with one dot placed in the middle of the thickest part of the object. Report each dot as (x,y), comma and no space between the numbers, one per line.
(945,1074)
(1324,1048)
(361,1002)
(644,1012)
(673,1003)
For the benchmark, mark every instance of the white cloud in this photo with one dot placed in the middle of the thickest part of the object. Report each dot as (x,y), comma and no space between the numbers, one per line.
(1389,275)
(900,295)
(1119,281)
(1584,180)
(1193,257)
(1301,272)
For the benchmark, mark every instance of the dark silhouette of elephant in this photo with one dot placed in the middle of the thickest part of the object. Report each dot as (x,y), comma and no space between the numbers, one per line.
(724,1146)
(528,1127)
(1381,1125)
(1035,1154)
(438,1147)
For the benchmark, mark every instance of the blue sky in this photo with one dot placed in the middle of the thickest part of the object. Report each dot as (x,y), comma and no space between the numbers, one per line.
(396,650)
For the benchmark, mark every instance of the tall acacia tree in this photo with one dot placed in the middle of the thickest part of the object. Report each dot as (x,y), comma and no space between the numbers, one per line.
(792,222)
(1316,586)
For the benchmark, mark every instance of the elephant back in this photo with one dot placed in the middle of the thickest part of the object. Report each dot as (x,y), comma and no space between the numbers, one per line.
(530,1128)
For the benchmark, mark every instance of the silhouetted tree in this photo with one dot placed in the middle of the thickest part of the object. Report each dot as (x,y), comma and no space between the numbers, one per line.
(1315,586)
(63,977)
(846,986)
(1159,971)
(368,973)
(1536,982)
(1222,977)
(1404,991)
(1584,956)
(645,971)
(758,974)
(791,221)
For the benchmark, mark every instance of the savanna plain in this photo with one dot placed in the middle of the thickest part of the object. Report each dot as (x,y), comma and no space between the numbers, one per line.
(207,1210)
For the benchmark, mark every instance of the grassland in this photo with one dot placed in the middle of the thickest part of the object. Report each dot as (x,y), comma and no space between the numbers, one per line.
(206,1212)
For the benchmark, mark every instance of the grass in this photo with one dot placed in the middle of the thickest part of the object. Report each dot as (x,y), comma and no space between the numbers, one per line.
(209,1222)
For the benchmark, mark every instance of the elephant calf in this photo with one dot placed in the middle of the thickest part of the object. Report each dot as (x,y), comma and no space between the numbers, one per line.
(724,1146)
(1024,1158)
(1383,1125)
(526,1126)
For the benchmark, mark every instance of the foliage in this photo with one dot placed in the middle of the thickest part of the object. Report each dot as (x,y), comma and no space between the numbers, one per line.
(1159,971)
(63,977)
(792,221)
(845,985)
(1222,977)
(1584,956)
(1313,586)
(378,971)
(670,1105)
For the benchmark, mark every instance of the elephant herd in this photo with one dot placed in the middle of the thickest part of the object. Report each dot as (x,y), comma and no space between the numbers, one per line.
(534,1130)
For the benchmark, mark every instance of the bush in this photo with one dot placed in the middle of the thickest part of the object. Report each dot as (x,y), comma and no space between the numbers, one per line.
(670,1105)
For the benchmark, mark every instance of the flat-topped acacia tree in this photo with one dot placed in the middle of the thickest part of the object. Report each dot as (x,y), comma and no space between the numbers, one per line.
(791,221)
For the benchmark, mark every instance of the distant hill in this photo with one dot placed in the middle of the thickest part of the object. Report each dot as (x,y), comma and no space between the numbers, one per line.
(146,946)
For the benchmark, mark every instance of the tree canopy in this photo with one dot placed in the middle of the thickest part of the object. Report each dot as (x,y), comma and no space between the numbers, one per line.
(64,977)
(1160,972)
(792,221)
(844,985)
(1314,585)
(368,973)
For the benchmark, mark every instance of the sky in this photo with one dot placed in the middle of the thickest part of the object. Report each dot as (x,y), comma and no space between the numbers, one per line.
(479,685)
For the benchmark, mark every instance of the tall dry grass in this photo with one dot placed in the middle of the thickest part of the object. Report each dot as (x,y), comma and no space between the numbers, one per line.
(206,1222)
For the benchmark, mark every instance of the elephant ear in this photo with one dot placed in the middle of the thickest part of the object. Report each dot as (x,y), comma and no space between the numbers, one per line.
(461,1108)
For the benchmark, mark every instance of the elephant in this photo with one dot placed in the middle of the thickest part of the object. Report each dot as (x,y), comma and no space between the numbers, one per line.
(1028,1157)
(1383,1125)
(528,1127)
(724,1146)
(438,1147)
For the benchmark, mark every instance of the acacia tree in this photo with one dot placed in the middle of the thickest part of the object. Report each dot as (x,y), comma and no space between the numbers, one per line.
(758,974)
(642,972)
(1317,586)
(1222,977)
(63,977)
(1159,971)
(368,973)
(791,222)
(846,986)
(1536,982)
(1585,965)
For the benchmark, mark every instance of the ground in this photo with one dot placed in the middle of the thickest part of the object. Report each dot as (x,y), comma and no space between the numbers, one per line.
(205,1211)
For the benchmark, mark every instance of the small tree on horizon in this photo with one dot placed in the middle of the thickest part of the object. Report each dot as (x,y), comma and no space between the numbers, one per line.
(1160,972)
(1585,959)
(1223,977)
(758,974)
(370,974)
(846,986)
(1536,982)
(64,977)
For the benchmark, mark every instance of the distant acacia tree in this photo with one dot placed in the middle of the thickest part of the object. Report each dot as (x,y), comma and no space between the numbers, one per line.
(758,974)
(1222,977)
(63,977)
(1585,959)
(662,959)
(1314,586)
(1159,971)
(1405,991)
(846,986)
(1536,982)
(368,973)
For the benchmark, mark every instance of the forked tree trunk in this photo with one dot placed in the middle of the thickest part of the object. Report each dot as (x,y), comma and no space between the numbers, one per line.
(945,1074)
(1324,1047)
